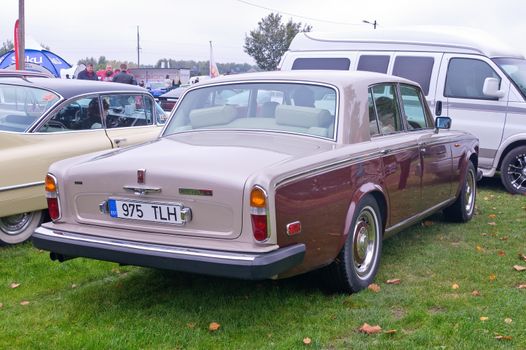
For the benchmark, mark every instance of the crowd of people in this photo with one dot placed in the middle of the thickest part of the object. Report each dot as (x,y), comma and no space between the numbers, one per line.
(118,75)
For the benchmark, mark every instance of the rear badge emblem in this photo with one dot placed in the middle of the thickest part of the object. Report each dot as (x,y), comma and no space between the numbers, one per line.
(141,173)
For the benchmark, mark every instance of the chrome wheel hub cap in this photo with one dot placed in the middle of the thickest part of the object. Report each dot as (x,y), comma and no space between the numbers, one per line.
(517,172)
(15,224)
(364,242)
(470,192)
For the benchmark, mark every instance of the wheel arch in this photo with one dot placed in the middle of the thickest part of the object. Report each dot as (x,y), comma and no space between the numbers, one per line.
(508,149)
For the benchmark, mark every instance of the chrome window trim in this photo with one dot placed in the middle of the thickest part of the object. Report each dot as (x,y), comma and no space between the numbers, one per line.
(17,187)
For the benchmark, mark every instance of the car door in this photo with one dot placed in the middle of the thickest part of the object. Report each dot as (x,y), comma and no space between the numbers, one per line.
(460,91)
(401,153)
(435,148)
(130,119)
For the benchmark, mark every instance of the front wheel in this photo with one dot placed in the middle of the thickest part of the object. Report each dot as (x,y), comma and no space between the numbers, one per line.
(18,228)
(463,208)
(513,171)
(357,264)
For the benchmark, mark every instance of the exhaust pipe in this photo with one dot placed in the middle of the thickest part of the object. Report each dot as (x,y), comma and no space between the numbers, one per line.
(61,258)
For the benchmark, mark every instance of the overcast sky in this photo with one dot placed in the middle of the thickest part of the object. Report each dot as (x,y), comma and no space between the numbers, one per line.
(182,29)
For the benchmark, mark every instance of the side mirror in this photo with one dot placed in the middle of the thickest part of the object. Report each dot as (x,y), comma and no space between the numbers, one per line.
(491,88)
(442,123)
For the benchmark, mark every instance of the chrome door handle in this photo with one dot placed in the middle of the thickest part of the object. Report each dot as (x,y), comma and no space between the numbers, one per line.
(119,140)
(385,151)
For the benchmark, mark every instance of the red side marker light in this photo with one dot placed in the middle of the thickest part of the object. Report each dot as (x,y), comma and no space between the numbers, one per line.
(294,228)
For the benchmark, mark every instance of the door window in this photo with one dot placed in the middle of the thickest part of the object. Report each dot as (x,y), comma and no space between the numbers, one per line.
(80,114)
(386,108)
(330,63)
(414,110)
(415,68)
(465,78)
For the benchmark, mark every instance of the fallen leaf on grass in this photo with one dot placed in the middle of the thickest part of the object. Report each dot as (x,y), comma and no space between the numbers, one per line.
(486,198)
(484,318)
(508,320)
(1,305)
(307,341)
(24,302)
(479,249)
(501,253)
(505,238)
(214,326)
(492,277)
(190,325)
(475,293)
(73,285)
(519,267)
(503,337)
(522,257)
(393,281)
(492,223)
(14,285)
(390,331)
(492,216)
(368,329)
(374,287)
(427,223)
(455,286)
(521,286)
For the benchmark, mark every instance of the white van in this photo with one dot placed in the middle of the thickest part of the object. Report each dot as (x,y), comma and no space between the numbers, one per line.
(466,75)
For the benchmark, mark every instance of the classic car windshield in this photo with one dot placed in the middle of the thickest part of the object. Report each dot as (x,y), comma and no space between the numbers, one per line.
(516,69)
(22,106)
(289,107)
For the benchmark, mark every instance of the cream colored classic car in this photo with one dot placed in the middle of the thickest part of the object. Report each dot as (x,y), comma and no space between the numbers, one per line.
(268,175)
(44,120)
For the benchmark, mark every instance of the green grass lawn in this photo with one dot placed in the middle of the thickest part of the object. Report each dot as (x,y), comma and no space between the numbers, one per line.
(97,305)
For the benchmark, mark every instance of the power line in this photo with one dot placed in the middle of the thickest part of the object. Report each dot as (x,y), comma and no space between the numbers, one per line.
(299,16)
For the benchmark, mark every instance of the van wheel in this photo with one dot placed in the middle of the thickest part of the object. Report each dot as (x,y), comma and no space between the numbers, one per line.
(18,228)
(357,264)
(464,207)
(513,171)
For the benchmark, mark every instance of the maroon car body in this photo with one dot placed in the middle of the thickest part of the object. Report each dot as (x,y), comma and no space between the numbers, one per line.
(268,175)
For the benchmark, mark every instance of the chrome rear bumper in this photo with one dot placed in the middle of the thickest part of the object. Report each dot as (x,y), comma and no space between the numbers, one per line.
(66,245)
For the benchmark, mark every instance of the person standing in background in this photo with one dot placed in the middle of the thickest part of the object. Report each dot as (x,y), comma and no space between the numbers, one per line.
(88,73)
(124,77)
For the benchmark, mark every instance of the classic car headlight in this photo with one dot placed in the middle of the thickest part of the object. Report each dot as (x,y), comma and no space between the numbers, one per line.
(258,213)
(52,197)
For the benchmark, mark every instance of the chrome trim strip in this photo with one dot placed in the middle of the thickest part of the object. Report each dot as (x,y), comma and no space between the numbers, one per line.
(17,187)
(147,247)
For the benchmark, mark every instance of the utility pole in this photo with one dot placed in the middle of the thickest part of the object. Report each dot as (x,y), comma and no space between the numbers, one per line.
(138,50)
(21,36)
(373,23)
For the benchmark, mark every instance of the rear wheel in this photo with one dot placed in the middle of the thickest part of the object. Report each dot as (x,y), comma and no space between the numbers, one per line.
(357,264)
(18,228)
(513,171)
(464,207)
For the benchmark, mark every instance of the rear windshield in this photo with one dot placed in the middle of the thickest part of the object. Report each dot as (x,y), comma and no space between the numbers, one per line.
(22,106)
(285,107)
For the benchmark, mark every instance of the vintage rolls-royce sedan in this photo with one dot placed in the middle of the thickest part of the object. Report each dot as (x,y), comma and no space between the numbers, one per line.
(43,120)
(267,175)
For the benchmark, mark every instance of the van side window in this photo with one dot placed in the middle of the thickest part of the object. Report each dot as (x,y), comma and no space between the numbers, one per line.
(414,110)
(326,63)
(373,63)
(387,109)
(465,78)
(414,68)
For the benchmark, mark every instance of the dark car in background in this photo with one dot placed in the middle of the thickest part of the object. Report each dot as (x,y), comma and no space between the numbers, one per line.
(169,99)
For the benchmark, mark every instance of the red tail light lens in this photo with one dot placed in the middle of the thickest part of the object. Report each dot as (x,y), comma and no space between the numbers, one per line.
(53,209)
(52,197)
(259,227)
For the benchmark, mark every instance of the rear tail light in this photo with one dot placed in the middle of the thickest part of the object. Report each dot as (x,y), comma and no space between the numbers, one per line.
(52,197)
(259,214)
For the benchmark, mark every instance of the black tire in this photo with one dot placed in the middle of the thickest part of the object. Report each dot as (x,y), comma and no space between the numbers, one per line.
(357,264)
(464,207)
(19,227)
(513,170)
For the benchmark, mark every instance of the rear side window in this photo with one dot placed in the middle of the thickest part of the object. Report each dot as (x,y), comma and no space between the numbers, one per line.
(418,69)
(387,110)
(465,78)
(324,63)
(373,63)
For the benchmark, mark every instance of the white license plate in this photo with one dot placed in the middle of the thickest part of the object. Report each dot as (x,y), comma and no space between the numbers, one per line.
(157,212)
